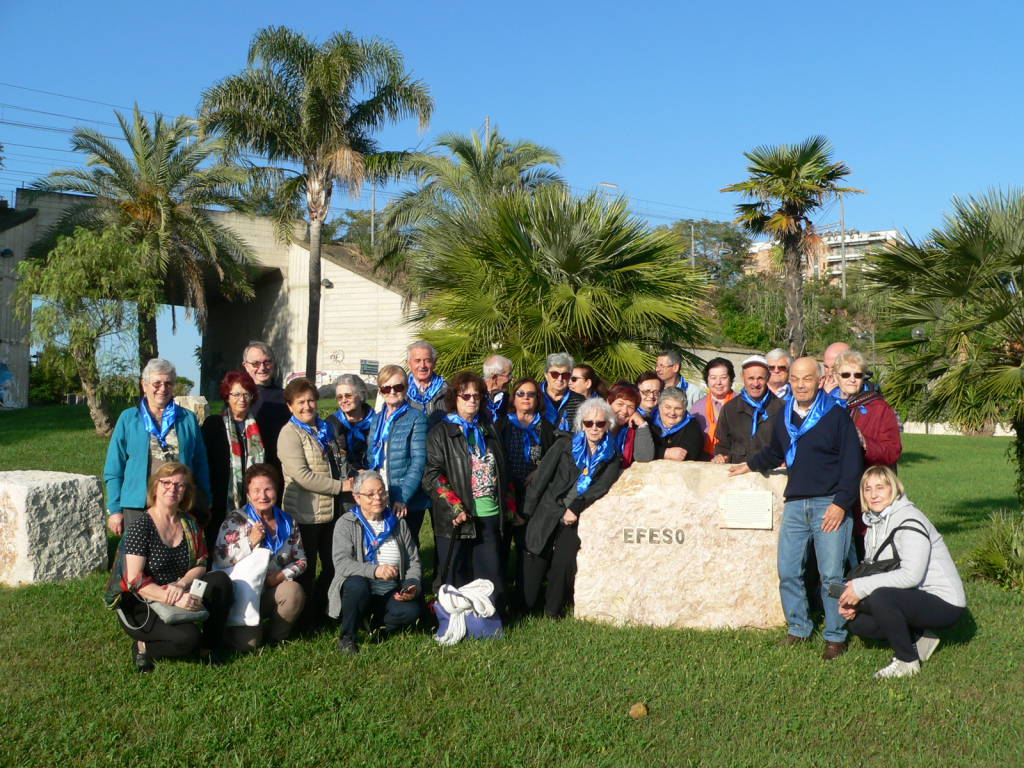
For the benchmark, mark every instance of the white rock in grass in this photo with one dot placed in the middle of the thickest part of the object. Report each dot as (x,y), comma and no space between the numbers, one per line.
(654,551)
(52,526)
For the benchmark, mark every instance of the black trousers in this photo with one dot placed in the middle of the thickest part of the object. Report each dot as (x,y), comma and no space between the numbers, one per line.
(476,558)
(359,603)
(516,537)
(558,563)
(899,616)
(318,543)
(168,640)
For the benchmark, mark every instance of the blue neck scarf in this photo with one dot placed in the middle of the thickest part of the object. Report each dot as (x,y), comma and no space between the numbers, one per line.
(494,405)
(284,527)
(531,432)
(676,428)
(620,439)
(589,462)
(478,445)
(372,540)
(356,432)
(166,424)
(555,414)
(785,392)
(760,408)
(644,412)
(381,433)
(424,398)
(822,404)
(682,383)
(323,433)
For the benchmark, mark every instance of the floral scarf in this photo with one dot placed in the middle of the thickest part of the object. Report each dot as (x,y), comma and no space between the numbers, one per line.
(252,451)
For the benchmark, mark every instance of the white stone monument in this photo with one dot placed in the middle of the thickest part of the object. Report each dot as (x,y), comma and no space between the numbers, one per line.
(52,526)
(682,544)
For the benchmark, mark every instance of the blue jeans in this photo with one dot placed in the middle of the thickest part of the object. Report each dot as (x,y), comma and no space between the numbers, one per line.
(801,522)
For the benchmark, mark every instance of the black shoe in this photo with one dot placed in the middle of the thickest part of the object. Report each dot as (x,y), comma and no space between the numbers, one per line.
(215,658)
(347,645)
(141,660)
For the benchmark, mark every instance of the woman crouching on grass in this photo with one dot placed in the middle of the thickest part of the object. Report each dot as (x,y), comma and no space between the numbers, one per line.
(901,606)
(160,558)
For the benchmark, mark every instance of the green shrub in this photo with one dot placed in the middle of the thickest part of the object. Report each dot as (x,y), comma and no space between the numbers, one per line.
(1000,557)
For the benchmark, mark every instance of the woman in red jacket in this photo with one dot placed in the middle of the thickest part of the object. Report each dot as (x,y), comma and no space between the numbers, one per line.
(877,425)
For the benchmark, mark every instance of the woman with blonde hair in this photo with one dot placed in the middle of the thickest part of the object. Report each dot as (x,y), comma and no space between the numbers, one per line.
(922,590)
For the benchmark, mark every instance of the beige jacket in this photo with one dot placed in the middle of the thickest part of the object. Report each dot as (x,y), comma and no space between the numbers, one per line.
(309,488)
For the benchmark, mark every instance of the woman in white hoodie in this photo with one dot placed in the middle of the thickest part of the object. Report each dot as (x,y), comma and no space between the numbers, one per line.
(924,593)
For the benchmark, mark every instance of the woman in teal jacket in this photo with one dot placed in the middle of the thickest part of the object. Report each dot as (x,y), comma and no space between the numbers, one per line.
(154,432)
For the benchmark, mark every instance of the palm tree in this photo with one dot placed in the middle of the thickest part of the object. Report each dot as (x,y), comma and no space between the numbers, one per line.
(160,194)
(460,173)
(787,184)
(541,271)
(958,296)
(316,107)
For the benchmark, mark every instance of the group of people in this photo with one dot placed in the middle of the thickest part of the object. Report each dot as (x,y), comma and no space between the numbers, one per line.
(504,468)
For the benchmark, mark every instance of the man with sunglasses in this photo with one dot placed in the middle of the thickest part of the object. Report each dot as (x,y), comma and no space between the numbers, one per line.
(268,408)
(559,404)
(832,351)
(778,372)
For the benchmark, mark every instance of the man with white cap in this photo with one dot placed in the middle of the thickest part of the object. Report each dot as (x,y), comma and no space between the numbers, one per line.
(745,422)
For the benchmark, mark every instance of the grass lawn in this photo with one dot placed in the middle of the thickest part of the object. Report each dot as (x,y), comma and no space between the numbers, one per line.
(549,694)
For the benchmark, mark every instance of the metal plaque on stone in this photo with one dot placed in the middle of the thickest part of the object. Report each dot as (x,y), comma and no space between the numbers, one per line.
(745,509)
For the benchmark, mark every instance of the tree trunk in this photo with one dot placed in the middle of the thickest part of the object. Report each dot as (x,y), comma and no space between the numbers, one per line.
(88,372)
(313,317)
(147,338)
(793,261)
(1018,450)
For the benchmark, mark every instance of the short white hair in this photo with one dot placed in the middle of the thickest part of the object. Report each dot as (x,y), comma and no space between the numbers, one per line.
(351,380)
(159,365)
(262,347)
(559,360)
(363,477)
(590,405)
(421,345)
(777,354)
(495,365)
(672,393)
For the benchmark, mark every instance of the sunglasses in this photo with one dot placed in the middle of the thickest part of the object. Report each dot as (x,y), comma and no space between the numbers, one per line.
(559,375)
(387,389)
(467,396)
(527,395)
(600,424)
(778,367)
(260,363)
(574,379)
(848,374)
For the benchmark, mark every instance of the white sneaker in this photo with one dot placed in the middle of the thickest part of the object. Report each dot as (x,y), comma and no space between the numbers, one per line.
(899,668)
(926,646)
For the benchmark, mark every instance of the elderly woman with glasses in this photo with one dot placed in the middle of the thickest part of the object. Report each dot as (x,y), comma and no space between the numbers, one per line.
(576,472)
(649,386)
(676,433)
(397,447)
(233,444)
(719,375)
(352,420)
(466,480)
(376,565)
(558,402)
(147,436)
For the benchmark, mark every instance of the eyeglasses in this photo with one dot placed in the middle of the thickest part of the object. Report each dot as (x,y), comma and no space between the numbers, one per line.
(650,392)
(170,485)
(574,379)
(564,376)
(467,396)
(240,395)
(527,395)
(848,374)
(778,367)
(387,389)
(600,424)
(347,396)
(162,384)
(260,363)
(381,494)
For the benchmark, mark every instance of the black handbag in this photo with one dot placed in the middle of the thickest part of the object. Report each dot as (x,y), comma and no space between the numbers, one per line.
(875,565)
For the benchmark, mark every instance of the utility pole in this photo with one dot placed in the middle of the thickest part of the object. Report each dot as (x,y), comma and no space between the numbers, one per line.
(842,242)
(373,213)
(693,248)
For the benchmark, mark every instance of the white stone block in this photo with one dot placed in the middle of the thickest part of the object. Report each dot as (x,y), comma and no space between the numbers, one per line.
(195,403)
(654,551)
(52,526)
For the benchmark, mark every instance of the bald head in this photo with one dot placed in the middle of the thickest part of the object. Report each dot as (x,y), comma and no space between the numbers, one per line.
(804,378)
(832,351)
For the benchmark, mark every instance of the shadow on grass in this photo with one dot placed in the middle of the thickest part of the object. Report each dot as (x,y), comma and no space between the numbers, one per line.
(962,632)
(914,457)
(975,515)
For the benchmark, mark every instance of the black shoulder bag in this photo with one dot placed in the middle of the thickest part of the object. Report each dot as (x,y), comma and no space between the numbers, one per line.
(875,566)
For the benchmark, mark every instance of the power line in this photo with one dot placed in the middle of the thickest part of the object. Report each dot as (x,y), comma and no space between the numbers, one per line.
(76,98)
(59,114)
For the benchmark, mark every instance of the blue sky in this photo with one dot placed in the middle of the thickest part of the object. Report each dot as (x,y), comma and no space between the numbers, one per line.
(920,99)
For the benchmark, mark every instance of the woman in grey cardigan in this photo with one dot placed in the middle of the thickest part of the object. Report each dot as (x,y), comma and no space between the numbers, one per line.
(924,593)
(376,565)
